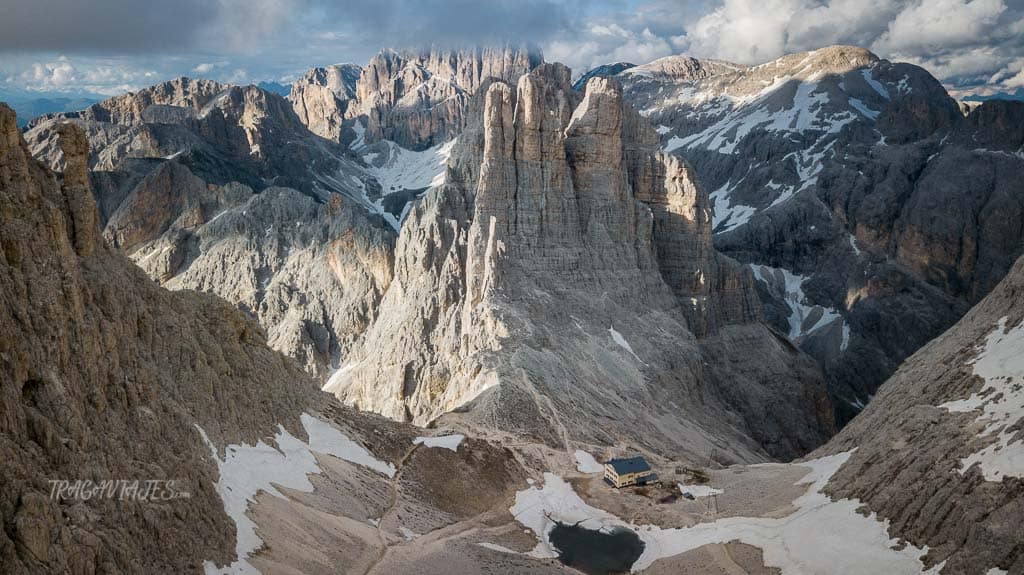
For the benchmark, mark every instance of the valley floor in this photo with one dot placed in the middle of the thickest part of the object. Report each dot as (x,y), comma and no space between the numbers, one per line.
(425,518)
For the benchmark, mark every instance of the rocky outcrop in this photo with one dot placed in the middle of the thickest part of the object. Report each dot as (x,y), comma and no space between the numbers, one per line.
(221,133)
(418,99)
(872,210)
(322,96)
(938,451)
(103,376)
(529,293)
(605,71)
(162,101)
(184,188)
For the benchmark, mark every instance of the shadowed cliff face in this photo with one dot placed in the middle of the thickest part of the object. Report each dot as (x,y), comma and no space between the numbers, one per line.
(553,286)
(873,211)
(103,376)
(940,451)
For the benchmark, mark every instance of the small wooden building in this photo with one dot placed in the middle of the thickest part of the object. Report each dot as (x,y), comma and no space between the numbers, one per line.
(628,471)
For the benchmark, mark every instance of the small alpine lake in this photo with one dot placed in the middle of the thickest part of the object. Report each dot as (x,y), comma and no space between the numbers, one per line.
(596,552)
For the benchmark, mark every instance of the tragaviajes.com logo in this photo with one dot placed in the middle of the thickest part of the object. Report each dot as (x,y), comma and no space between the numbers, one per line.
(119,489)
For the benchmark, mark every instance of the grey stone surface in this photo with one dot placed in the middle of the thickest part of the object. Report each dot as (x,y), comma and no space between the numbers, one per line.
(514,279)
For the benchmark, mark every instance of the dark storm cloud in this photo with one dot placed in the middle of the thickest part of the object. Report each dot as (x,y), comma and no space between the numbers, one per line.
(454,21)
(98,25)
(219,26)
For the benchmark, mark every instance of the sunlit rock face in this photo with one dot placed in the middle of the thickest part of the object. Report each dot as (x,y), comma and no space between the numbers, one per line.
(561,284)
(419,99)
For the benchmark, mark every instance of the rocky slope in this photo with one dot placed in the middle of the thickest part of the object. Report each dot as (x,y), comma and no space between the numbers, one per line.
(553,284)
(873,212)
(223,189)
(940,450)
(108,377)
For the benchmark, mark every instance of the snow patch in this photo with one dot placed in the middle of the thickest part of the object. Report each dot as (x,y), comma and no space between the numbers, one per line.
(853,244)
(726,215)
(336,382)
(875,84)
(585,463)
(806,111)
(403,169)
(324,438)
(451,442)
(248,469)
(788,286)
(864,110)
(699,490)
(1000,362)
(498,548)
(621,341)
(819,535)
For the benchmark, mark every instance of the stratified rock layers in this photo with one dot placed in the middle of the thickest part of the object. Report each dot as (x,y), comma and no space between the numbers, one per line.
(554,284)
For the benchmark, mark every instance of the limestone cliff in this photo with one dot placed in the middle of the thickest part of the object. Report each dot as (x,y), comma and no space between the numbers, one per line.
(102,375)
(223,189)
(418,99)
(322,96)
(553,285)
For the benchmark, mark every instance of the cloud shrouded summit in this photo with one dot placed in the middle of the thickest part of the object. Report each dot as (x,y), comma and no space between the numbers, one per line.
(113,45)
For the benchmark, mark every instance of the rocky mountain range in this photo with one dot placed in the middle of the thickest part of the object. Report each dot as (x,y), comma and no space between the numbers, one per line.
(716,266)
(543,288)
(873,208)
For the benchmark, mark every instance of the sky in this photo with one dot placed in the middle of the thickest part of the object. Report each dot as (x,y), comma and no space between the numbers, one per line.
(112,46)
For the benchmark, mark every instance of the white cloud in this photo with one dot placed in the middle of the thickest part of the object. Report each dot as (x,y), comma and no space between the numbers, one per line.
(940,25)
(238,76)
(204,68)
(1012,76)
(63,75)
(57,74)
(959,41)
(963,42)
(608,43)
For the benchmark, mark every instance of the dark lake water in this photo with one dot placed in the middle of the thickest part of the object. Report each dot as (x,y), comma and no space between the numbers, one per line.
(596,552)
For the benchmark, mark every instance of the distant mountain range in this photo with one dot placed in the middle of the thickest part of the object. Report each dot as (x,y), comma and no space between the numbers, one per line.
(1017,95)
(28,104)
(275,88)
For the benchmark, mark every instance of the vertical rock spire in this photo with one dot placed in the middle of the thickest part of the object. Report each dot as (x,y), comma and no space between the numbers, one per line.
(561,231)
(83,216)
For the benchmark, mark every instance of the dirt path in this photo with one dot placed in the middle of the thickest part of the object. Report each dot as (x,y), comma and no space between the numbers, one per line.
(381,535)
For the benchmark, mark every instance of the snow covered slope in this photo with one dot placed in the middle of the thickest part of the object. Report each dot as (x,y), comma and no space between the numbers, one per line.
(401,175)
